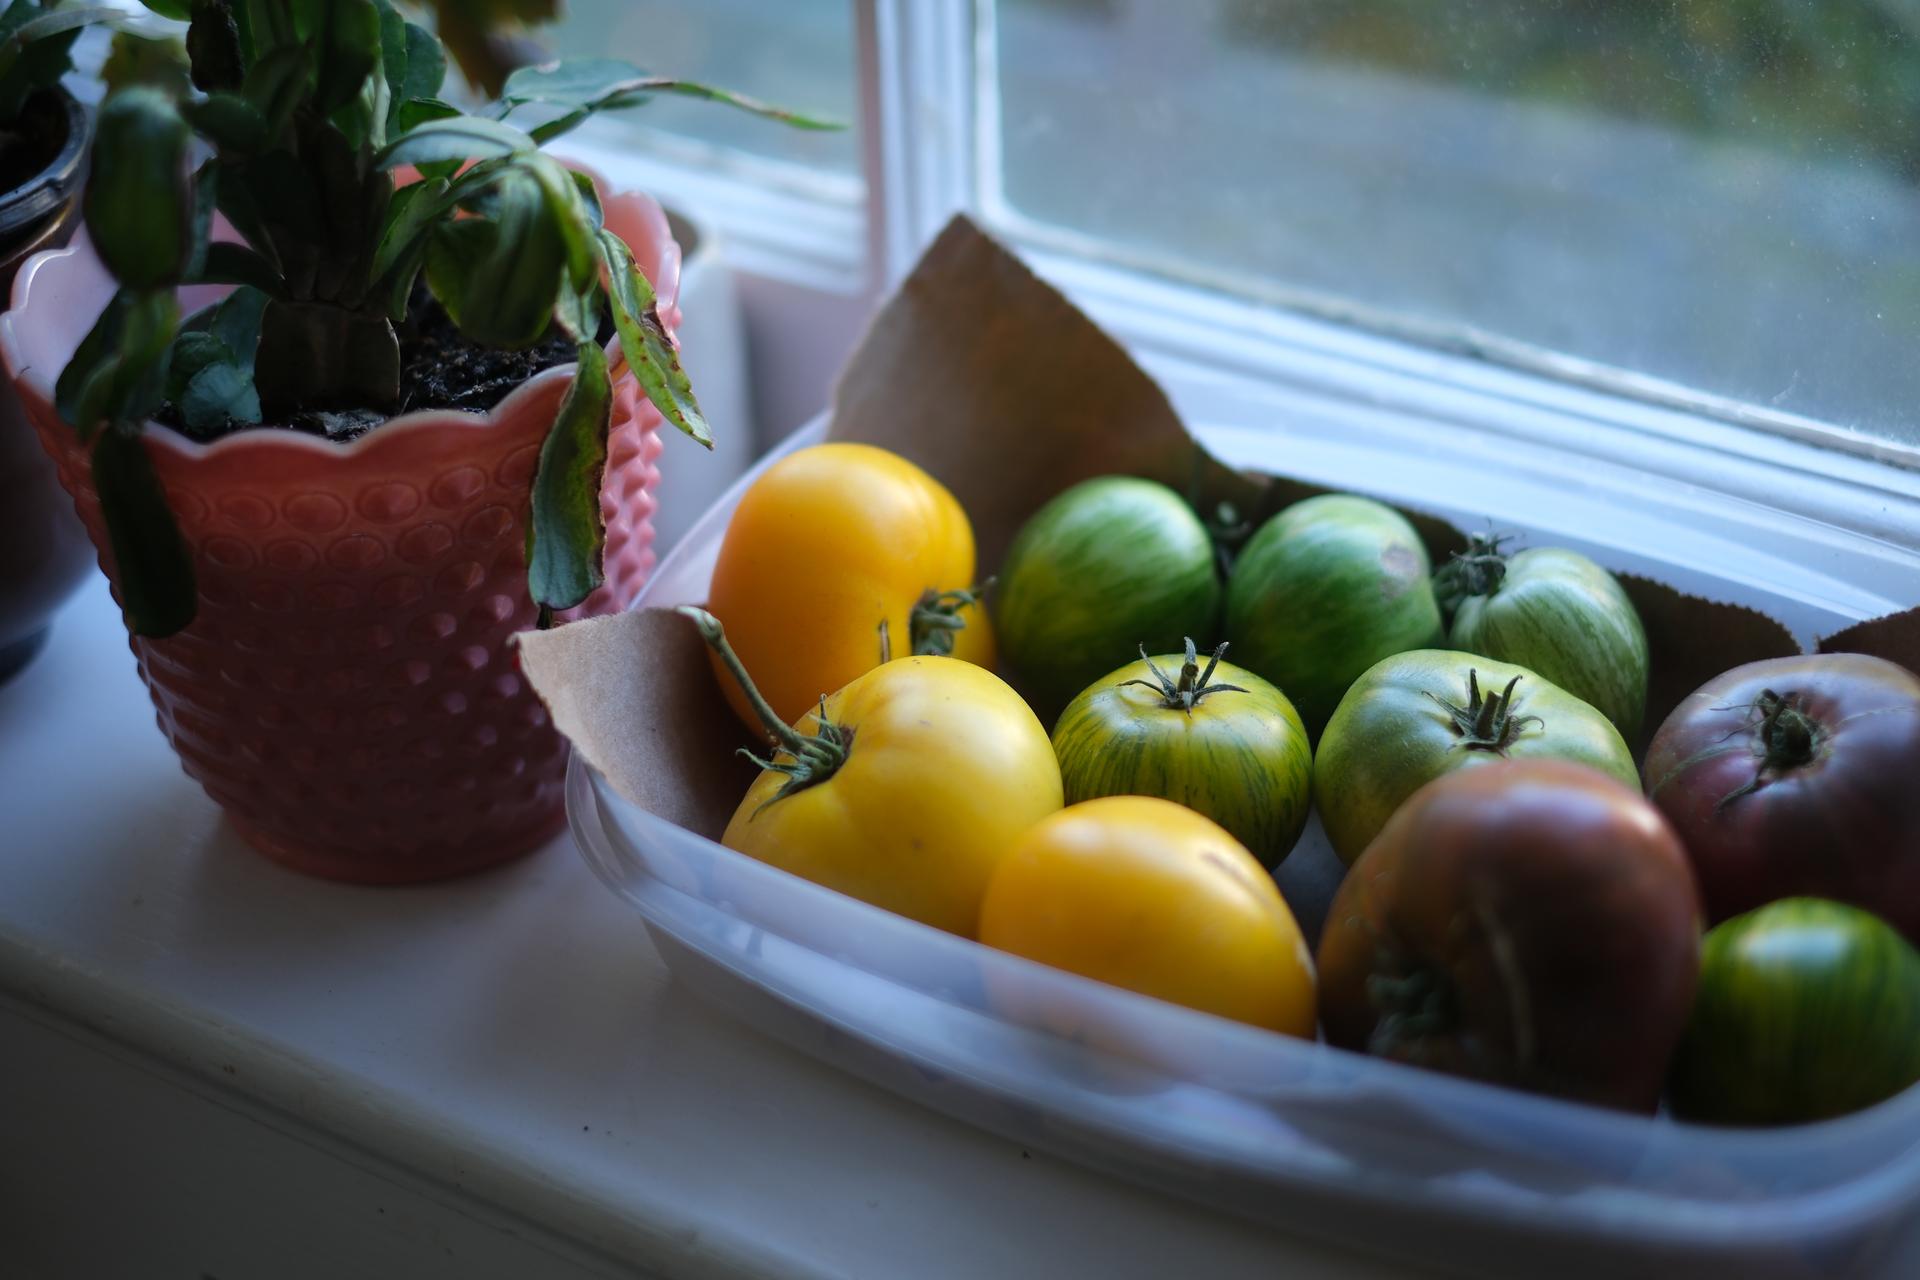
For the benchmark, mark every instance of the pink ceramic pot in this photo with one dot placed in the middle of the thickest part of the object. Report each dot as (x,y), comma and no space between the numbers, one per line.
(346,692)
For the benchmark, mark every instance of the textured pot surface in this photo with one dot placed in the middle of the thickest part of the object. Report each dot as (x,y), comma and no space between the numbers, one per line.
(347,691)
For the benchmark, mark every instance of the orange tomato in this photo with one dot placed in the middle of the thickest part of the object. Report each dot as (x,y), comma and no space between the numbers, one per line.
(828,544)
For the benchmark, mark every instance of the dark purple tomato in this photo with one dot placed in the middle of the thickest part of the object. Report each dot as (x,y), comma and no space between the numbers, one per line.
(1798,777)
(1530,923)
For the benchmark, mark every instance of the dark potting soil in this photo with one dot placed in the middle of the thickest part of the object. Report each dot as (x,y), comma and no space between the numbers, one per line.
(30,145)
(439,369)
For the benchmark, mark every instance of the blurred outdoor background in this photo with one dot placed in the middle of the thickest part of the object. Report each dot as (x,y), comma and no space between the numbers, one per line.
(1716,193)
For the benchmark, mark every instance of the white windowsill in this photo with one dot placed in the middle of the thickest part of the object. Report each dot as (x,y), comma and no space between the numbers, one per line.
(211,1066)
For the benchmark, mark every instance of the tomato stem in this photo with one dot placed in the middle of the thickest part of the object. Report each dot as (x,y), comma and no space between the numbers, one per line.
(1785,738)
(815,758)
(1477,571)
(1486,723)
(1183,693)
(935,618)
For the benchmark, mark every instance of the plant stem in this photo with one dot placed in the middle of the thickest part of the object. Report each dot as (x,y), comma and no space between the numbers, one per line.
(815,758)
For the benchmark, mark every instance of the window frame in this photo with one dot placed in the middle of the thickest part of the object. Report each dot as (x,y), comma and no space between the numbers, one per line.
(930,110)
(780,220)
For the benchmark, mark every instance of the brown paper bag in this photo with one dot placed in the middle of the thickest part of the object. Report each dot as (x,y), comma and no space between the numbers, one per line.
(991,380)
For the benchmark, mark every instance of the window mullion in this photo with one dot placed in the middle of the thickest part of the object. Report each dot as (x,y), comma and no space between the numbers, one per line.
(917,107)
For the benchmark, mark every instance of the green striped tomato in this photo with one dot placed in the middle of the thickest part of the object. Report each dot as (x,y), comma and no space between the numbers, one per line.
(1110,565)
(1417,715)
(1221,741)
(1807,1009)
(1323,591)
(1556,612)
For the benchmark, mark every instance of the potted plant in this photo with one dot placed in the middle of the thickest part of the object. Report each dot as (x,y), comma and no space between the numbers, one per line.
(372,386)
(43,135)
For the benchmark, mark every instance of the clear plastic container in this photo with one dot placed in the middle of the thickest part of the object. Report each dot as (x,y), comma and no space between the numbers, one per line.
(1390,1158)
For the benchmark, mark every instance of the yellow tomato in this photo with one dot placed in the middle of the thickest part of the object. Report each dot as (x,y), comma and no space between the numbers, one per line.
(828,544)
(932,768)
(1143,894)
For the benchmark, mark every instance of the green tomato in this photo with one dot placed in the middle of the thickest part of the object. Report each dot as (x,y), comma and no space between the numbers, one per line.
(1417,715)
(1323,591)
(1111,565)
(1806,1009)
(1221,741)
(1557,612)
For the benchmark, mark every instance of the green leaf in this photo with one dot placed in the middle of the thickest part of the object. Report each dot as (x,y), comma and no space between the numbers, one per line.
(235,201)
(16,13)
(505,296)
(119,370)
(395,284)
(235,320)
(346,43)
(418,111)
(709,93)
(136,59)
(455,252)
(156,571)
(414,208)
(213,45)
(277,83)
(650,352)
(577,313)
(582,88)
(284,202)
(178,10)
(210,372)
(566,535)
(590,197)
(570,217)
(414,63)
(218,395)
(206,190)
(229,121)
(572,83)
(452,138)
(56,22)
(139,208)
(229,263)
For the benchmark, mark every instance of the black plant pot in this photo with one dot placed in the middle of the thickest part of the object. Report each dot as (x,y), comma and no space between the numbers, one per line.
(44,549)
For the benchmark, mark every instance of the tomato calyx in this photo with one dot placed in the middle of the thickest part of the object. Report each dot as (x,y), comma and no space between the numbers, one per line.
(1192,685)
(936,616)
(1486,722)
(812,758)
(1477,571)
(1229,530)
(1413,1007)
(1784,737)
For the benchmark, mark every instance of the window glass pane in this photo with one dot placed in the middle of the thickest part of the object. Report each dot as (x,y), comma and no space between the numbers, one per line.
(797,53)
(1719,193)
